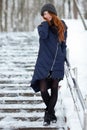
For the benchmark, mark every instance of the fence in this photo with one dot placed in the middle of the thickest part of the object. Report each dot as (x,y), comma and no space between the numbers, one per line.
(79,103)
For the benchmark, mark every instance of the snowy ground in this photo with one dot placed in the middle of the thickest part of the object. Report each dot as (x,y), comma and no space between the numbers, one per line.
(77,44)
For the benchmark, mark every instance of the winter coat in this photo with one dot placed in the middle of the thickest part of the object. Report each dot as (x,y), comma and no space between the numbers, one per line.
(48,40)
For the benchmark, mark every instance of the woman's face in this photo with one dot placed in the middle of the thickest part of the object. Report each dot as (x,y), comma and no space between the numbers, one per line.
(47,16)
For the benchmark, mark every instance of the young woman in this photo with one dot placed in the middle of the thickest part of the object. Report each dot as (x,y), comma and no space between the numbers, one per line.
(49,68)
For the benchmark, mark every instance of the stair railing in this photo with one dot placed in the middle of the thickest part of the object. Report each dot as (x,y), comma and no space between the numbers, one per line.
(76,93)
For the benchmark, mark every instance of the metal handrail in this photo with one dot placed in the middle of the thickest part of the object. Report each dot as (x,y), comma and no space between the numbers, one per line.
(76,86)
(74,100)
(79,94)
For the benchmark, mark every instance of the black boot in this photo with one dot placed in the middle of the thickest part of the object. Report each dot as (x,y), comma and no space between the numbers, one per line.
(53,117)
(46,119)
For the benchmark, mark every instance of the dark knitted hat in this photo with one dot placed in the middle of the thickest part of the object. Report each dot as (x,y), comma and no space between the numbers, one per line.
(49,8)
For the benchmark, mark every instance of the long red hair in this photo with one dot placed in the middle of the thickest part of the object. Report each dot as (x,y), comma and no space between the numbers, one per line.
(60,26)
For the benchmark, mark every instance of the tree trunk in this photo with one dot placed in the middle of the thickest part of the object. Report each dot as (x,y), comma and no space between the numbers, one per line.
(50,1)
(63,8)
(1,28)
(75,10)
(6,15)
(12,13)
(69,8)
(84,3)
(85,26)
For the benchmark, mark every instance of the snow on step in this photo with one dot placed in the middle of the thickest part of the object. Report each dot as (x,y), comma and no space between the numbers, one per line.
(20,98)
(13,84)
(20,107)
(27,125)
(21,114)
(26,115)
(17,91)
(29,91)
(24,119)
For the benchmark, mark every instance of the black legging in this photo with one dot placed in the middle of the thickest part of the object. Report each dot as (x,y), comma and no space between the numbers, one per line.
(49,100)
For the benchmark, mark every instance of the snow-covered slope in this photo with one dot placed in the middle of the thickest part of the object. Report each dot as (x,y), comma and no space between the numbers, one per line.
(77,44)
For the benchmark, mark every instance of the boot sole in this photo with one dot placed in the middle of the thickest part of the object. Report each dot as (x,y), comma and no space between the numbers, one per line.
(46,124)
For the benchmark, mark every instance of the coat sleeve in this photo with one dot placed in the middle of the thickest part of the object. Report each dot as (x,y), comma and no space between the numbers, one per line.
(43,30)
(63,46)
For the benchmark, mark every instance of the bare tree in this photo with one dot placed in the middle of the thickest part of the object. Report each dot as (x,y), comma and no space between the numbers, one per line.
(1,28)
(75,10)
(64,8)
(69,9)
(21,14)
(6,15)
(79,12)
(12,13)
(50,1)
(84,3)
(27,15)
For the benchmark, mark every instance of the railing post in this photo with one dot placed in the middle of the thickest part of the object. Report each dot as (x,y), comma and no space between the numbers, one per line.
(75,73)
(67,53)
(85,120)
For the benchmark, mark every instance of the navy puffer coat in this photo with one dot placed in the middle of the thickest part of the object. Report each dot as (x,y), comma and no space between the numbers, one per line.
(48,44)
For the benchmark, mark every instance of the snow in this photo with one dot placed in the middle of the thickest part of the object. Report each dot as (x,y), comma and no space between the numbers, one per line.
(77,44)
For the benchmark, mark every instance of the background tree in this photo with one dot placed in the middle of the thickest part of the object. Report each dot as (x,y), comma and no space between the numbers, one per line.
(6,15)
(84,3)
(1,28)
(24,15)
(69,9)
(75,13)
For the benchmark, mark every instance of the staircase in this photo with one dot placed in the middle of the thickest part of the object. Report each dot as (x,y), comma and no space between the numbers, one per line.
(23,108)
(20,107)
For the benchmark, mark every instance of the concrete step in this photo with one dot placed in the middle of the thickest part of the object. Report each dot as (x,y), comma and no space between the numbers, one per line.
(20,100)
(17,91)
(32,116)
(20,92)
(40,128)
(19,59)
(21,106)
(25,115)
(25,125)
(15,110)
(13,71)
(14,79)
(14,85)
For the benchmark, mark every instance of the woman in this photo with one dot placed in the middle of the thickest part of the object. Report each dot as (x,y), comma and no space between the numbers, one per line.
(49,68)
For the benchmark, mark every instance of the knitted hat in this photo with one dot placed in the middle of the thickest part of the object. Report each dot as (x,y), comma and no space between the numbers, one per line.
(49,8)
